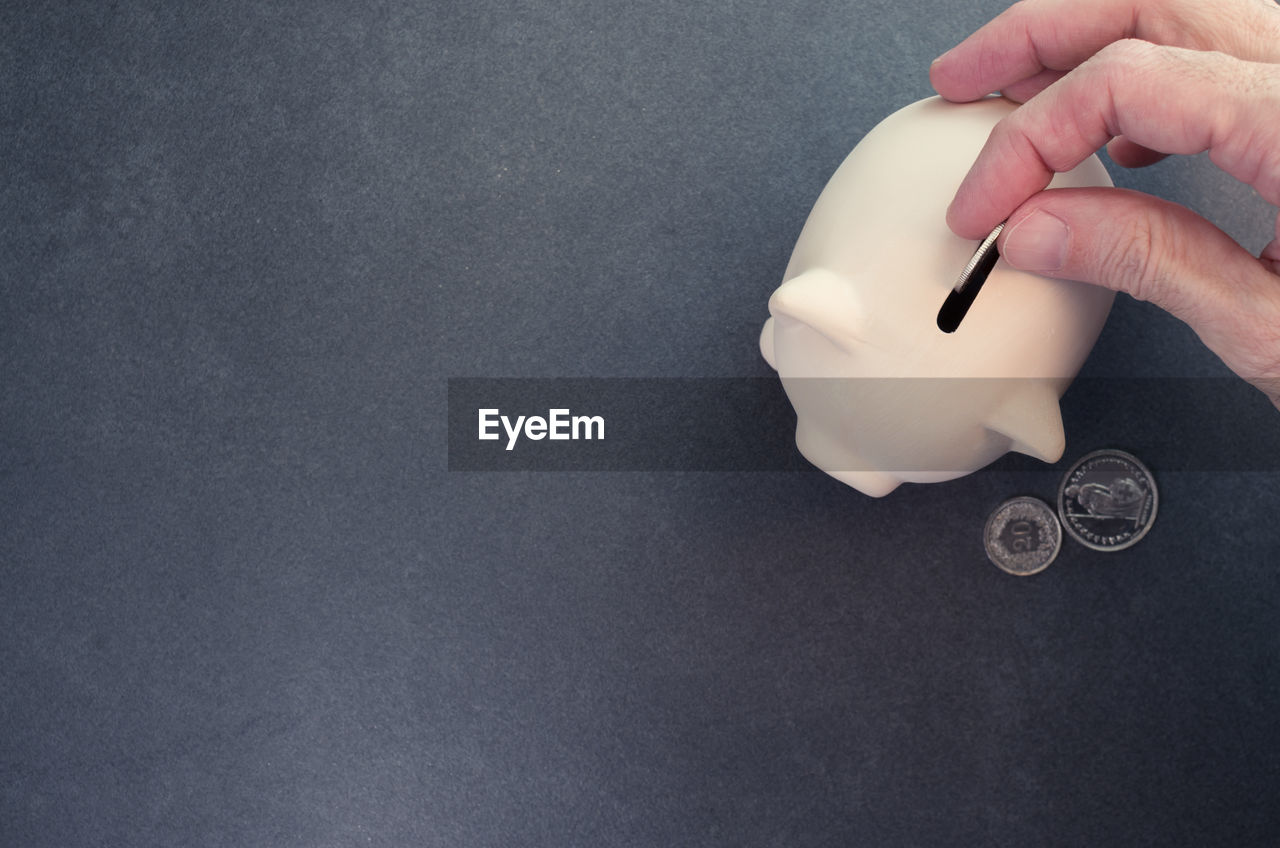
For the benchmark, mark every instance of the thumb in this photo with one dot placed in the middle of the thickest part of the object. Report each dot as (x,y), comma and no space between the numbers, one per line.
(1161,252)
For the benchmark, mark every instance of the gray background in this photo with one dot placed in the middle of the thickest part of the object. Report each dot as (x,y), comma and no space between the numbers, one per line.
(243,602)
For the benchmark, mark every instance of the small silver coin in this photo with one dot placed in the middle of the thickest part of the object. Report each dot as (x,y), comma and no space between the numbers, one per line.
(1107,500)
(1023,536)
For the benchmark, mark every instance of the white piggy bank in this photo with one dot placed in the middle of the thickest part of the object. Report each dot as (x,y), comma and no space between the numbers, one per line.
(882,394)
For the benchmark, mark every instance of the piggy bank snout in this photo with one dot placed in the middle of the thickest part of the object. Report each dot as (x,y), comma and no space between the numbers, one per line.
(825,302)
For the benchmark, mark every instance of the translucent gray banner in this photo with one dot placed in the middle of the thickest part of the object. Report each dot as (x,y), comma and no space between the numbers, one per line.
(749,424)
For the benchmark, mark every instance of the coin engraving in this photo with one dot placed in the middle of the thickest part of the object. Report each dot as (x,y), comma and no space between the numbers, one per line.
(1108,500)
(1022,536)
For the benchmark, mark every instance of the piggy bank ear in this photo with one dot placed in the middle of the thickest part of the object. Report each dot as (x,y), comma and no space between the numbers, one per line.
(1032,420)
(824,301)
(766,344)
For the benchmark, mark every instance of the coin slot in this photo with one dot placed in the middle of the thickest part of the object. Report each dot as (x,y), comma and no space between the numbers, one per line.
(957,304)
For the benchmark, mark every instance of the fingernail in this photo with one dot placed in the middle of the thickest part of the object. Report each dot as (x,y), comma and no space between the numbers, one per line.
(1037,243)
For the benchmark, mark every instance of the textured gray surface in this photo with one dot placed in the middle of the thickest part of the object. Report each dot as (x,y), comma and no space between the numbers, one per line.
(242,602)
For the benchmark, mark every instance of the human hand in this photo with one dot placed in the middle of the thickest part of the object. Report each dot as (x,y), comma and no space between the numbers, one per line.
(1151,78)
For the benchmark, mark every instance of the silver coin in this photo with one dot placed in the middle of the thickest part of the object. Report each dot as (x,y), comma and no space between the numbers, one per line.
(1023,536)
(1107,500)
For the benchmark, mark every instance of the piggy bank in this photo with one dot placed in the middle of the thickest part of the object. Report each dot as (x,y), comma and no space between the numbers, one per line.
(882,393)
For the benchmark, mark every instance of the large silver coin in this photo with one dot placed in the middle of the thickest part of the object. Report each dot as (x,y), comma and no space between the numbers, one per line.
(1108,500)
(1023,536)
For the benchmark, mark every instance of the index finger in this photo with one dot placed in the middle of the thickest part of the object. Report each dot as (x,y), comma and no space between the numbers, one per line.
(1033,37)
(1163,98)
(1026,39)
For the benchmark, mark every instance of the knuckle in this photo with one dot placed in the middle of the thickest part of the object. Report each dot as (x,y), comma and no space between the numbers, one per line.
(1025,146)
(1130,261)
(1258,338)
(1256,357)
(1126,52)
(1119,61)
(986,64)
